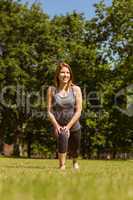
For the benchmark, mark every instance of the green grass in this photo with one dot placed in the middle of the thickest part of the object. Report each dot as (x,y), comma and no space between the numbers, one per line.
(30,179)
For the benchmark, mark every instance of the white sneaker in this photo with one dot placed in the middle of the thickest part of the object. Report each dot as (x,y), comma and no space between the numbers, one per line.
(75,166)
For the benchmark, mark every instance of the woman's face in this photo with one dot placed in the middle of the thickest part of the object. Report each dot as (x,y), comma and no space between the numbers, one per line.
(64,75)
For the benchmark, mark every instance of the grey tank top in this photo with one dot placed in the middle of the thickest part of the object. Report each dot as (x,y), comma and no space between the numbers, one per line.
(63,108)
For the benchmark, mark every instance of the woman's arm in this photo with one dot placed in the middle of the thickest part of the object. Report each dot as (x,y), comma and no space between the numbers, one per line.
(49,107)
(78,107)
(49,110)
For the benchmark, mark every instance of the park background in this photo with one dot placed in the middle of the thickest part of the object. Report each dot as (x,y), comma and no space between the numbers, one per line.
(99,50)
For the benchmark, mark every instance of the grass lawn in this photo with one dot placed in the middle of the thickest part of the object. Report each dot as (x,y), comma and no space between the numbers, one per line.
(38,179)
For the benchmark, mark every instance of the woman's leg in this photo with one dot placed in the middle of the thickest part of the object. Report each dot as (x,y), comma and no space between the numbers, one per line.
(74,146)
(62,160)
(62,149)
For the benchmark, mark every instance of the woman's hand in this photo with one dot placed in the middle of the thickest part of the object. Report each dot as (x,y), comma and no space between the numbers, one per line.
(66,130)
(58,129)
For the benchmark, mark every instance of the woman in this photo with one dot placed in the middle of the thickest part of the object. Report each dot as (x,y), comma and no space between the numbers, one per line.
(64,110)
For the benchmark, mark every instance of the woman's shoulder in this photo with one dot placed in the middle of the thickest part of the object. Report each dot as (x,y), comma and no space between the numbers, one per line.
(76,90)
(76,87)
(52,89)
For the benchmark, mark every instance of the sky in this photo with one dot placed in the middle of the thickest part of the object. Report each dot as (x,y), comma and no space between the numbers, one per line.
(58,7)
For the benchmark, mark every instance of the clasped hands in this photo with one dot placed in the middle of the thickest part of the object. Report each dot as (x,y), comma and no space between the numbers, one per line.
(62,129)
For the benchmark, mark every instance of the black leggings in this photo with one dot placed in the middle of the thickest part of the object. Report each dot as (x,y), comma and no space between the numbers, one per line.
(71,144)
